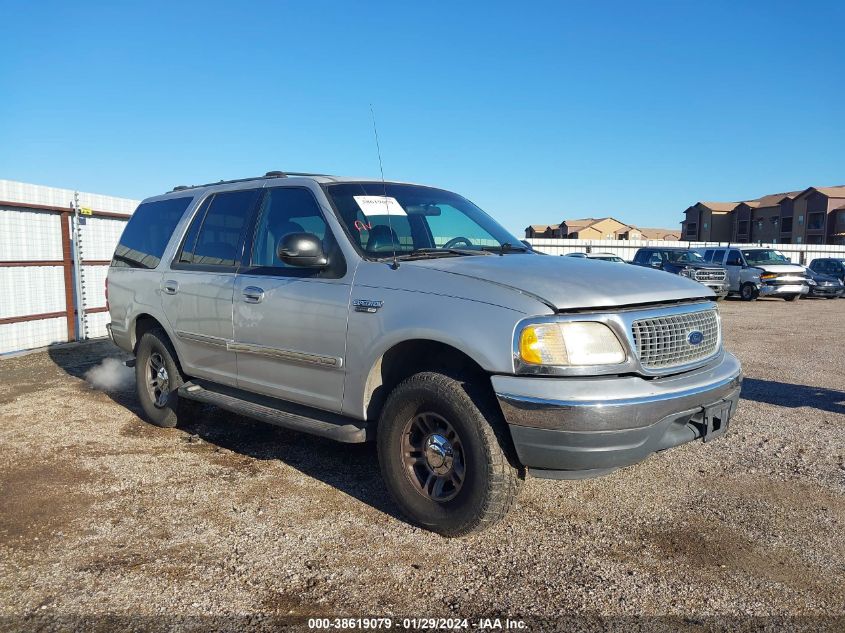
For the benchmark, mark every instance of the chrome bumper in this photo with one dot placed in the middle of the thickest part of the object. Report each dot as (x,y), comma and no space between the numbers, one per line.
(569,428)
(612,403)
(797,288)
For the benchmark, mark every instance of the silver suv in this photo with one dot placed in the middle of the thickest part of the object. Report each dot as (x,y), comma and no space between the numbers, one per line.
(361,310)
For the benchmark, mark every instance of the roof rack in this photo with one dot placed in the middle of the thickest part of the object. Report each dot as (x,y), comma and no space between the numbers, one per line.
(269,174)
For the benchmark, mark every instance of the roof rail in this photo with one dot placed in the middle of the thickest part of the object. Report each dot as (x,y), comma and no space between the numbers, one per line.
(269,174)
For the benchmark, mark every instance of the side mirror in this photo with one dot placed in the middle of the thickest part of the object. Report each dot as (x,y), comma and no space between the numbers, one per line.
(656,264)
(304,250)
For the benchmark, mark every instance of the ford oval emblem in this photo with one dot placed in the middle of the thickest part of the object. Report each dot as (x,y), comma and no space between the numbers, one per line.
(695,337)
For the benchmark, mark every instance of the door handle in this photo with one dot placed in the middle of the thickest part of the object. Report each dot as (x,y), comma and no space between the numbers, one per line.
(170,287)
(253,294)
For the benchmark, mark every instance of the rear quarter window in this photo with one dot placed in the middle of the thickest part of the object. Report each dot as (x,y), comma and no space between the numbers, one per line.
(147,233)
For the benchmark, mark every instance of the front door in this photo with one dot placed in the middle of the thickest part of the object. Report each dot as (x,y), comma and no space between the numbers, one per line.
(290,322)
(196,292)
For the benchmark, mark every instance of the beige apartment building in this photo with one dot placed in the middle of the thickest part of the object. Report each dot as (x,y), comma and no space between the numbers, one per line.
(598,229)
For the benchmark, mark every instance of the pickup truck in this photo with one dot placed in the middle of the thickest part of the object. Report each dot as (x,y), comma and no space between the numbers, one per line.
(685,262)
(362,310)
(753,272)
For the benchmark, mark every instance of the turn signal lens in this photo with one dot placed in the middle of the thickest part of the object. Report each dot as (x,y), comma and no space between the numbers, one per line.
(768,276)
(571,343)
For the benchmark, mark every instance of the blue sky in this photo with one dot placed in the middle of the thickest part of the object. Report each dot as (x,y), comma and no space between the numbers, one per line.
(536,111)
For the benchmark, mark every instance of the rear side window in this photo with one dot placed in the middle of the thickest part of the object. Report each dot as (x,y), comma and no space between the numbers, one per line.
(147,233)
(215,237)
(642,256)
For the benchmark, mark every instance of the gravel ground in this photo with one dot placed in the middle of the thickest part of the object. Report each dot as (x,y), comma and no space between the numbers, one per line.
(229,523)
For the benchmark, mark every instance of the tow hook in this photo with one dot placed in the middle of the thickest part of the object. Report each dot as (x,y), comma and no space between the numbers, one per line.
(130,362)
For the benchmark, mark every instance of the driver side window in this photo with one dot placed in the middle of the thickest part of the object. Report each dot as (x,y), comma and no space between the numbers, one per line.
(285,210)
(734,259)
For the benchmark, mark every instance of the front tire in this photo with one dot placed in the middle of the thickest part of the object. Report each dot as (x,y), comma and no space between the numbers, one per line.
(748,292)
(445,455)
(157,377)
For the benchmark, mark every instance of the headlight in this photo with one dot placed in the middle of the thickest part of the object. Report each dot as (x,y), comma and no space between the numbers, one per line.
(570,343)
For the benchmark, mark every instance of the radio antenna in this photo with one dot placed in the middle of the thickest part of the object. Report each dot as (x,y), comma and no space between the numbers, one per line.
(395,263)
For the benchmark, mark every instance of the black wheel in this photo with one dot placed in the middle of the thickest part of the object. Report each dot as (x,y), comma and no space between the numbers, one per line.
(157,377)
(445,455)
(748,292)
(791,297)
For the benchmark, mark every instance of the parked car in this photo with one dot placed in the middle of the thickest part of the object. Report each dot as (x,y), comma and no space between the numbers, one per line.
(687,263)
(833,266)
(360,310)
(824,285)
(760,271)
(604,257)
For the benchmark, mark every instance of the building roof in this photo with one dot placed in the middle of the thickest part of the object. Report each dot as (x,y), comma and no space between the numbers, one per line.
(832,192)
(771,200)
(720,207)
(652,233)
(543,227)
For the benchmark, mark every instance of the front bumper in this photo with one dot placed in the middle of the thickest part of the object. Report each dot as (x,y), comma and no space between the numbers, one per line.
(720,289)
(827,291)
(582,427)
(779,289)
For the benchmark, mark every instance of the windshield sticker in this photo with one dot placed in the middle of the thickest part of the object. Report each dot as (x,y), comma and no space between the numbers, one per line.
(379,205)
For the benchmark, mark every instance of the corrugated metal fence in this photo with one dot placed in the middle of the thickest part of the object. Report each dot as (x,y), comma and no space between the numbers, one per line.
(40,236)
(798,253)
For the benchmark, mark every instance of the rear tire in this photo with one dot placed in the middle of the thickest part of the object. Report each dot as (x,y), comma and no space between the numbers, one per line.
(446,455)
(157,378)
(749,292)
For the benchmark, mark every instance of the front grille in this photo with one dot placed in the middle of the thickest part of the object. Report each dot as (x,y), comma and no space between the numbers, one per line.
(663,342)
(710,275)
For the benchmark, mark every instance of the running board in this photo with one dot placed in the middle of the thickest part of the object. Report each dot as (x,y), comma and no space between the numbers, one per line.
(275,411)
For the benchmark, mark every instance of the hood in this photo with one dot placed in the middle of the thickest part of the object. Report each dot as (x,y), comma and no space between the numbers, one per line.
(693,265)
(781,268)
(570,283)
(822,278)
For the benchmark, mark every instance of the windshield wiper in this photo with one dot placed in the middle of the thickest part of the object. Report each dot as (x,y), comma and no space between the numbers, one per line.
(507,247)
(432,253)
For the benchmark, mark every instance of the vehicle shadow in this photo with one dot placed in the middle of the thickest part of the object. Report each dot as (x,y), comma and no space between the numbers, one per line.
(793,396)
(350,468)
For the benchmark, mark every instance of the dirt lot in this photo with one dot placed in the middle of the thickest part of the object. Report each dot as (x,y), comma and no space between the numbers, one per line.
(105,517)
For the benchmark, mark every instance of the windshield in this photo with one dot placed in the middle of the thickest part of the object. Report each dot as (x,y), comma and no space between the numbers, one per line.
(767,256)
(418,220)
(685,257)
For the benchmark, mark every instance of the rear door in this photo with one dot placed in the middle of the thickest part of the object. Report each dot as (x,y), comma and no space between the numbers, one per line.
(290,322)
(197,291)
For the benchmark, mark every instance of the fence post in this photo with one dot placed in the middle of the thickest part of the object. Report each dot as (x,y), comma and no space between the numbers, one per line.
(67,269)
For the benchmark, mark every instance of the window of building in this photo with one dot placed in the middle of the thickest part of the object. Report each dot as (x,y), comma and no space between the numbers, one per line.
(742,227)
(692,228)
(800,219)
(815,221)
(786,225)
